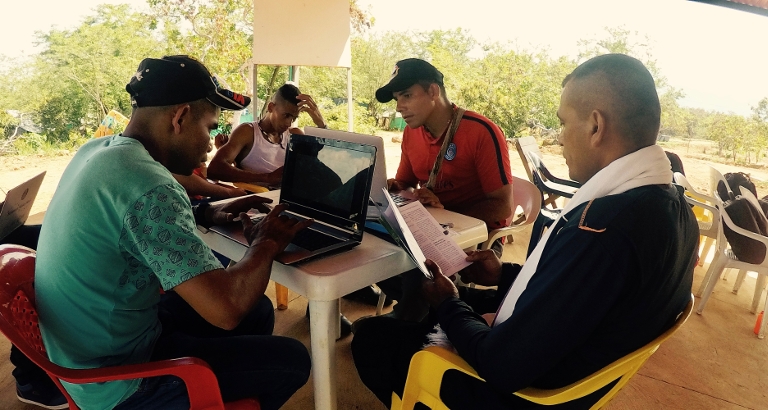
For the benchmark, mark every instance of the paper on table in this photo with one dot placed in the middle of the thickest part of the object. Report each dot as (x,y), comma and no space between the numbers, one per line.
(436,245)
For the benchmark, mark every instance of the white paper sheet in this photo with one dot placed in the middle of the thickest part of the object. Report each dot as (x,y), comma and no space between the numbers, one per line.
(434,241)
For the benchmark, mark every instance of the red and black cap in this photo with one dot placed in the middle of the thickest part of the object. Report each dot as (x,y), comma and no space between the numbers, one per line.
(176,80)
(407,73)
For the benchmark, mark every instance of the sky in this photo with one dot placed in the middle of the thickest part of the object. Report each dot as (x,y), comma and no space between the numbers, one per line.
(715,55)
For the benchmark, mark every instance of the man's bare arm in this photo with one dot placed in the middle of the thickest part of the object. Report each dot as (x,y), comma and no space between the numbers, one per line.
(222,166)
(224,296)
(497,206)
(196,185)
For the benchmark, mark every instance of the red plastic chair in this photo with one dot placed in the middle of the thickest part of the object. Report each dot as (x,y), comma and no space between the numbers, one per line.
(19,323)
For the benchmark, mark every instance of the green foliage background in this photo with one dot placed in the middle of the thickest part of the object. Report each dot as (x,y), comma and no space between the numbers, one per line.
(81,74)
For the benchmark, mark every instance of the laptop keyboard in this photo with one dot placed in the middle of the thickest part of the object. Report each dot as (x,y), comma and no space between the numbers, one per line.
(312,240)
(400,200)
(257,218)
(308,239)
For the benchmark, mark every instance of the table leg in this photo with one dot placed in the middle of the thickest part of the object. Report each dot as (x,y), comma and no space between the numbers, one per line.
(323,325)
(281,294)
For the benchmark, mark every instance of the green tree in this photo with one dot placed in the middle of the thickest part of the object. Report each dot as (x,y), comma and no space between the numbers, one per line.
(761,110)
(518,90)
(373,58)
(11,79)
(673,118)
(81,74)
(621,40)
(217,32)
(220,34)
(727,130)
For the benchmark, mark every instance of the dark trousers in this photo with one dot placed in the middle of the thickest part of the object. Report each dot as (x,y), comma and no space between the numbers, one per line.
(382,351)
(247,361)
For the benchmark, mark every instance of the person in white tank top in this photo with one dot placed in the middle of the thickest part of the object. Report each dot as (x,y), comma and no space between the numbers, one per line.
(255,152)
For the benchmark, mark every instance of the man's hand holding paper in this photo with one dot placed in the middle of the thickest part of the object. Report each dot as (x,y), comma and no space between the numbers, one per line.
(439,287)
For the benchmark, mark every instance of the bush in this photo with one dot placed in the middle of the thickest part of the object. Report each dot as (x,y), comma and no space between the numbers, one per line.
(30,143)
(36,144)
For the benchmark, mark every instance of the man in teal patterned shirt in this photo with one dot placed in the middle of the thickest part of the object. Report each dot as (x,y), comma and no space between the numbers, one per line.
(120,228)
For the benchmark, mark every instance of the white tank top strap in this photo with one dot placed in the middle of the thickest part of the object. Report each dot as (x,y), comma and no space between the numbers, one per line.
(264,156)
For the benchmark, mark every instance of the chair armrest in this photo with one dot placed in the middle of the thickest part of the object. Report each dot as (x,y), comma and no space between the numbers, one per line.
(691,200)
(561,181)
(496,234)
(743,232)
(539,165)
(700,197)
(425,375)
(550,188)
(439,360)
(201,383)
(623,368)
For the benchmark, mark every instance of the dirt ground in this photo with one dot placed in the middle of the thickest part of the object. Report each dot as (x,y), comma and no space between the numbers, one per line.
(696,158)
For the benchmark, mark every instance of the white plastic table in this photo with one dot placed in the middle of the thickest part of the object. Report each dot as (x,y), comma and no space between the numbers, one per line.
(323,281)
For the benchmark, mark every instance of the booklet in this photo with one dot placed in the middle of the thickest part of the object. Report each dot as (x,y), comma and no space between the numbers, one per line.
(422,237)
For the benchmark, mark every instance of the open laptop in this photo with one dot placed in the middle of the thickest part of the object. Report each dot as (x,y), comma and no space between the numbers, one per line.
(380,171)
(329,181)
(15,209)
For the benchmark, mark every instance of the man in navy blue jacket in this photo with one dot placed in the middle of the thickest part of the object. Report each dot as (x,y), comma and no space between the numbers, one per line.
(612,273)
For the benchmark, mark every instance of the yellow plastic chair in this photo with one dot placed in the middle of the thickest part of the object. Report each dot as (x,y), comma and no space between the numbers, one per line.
(428,366)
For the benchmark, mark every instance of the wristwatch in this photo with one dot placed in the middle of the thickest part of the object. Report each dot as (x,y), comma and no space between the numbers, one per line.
(199,213)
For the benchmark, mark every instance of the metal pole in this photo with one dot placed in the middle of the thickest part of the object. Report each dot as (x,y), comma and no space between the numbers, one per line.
(350,110)
(255,99)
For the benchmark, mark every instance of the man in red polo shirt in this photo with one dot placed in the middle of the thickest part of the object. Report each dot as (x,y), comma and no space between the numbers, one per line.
(473,177)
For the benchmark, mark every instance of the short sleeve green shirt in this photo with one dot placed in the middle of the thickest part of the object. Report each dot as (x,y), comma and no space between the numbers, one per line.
(118,228)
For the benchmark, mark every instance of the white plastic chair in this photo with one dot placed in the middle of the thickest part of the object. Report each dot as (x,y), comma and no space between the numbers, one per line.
(549,185)
(746,193)
(526,196)
(715,177)
(724,259)
(760,282)
(719,242)
(707,218)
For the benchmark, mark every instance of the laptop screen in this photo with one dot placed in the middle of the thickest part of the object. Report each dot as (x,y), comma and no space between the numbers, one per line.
(329,180)
(380,171)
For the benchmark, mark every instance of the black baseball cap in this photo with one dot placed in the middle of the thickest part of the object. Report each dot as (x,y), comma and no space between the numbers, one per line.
(179,79)
(407,73)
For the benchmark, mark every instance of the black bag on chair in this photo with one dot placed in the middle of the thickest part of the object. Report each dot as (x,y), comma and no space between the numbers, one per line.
(764,204)
(735,180)
(744,215)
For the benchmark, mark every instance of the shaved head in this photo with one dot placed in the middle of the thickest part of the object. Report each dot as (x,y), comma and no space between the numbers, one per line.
(623,90)
(286,94)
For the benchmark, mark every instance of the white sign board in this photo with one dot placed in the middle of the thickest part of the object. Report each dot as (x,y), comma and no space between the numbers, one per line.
(301,33)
